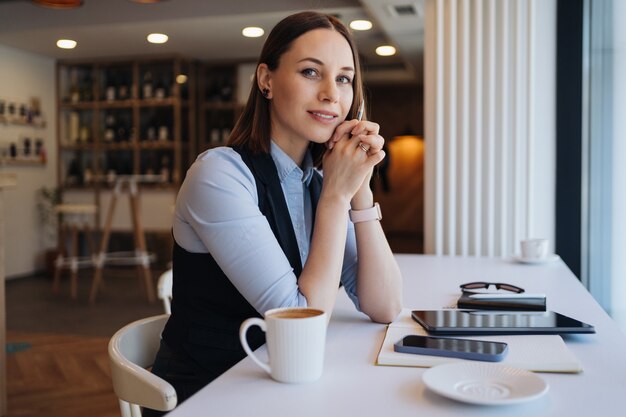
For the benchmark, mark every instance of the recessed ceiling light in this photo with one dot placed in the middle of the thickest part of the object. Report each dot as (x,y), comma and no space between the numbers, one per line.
(59,4)
(361,25)
(66,44)
(157,38)
(252,32)
(385,50)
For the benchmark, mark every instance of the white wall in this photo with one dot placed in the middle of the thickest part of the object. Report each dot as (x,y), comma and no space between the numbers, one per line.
(22,76)
(490,164)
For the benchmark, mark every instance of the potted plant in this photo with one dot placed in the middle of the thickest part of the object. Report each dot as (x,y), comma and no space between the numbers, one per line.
(47,200)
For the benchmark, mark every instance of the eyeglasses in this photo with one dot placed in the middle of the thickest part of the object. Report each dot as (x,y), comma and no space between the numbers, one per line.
(485,285)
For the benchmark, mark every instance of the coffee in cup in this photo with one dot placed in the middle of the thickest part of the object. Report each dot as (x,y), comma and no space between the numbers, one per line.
(296,338)
(534,248)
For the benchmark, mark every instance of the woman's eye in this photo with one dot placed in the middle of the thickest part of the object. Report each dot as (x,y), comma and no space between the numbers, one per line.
(344,79)
(309,72)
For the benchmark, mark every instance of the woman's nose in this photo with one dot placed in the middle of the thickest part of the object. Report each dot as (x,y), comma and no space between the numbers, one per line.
(329,91)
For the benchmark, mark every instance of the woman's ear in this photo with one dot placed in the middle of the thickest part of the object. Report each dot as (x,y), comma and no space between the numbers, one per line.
(264,80)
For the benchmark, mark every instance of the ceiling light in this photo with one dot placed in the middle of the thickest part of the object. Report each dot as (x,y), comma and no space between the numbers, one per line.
(385,50)
(181,78)
(66,44)
(59,4)
(252,32)
(157,38)
(361,25)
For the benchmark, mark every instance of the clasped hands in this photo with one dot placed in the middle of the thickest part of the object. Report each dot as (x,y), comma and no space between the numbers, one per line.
(352,152)
(363,136)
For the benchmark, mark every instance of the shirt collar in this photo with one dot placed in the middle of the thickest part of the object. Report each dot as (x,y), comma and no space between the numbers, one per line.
(286,166)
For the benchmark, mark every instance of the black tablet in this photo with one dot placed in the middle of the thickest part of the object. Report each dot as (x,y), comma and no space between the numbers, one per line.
(476,322)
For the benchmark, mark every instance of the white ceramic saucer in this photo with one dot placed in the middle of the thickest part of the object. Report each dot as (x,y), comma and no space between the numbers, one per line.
(484,383)
(536,261)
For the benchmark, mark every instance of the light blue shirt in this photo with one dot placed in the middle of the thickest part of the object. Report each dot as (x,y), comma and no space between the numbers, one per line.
(217,212)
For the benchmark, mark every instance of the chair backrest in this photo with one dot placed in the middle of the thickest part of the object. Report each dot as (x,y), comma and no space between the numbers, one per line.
(131,350)
(164,290)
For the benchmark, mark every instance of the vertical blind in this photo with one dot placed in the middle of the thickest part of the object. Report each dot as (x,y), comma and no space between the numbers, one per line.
(480,86)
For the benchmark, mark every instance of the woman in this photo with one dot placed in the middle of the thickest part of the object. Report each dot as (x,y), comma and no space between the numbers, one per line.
(256,227)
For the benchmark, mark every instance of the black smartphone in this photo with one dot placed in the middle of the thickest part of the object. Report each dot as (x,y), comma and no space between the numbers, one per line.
(479,350)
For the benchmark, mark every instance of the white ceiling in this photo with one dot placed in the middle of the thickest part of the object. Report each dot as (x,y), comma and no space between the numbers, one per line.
(208,29)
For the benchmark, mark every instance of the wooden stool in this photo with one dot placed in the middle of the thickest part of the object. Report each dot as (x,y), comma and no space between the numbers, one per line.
(75,220)
(140,256)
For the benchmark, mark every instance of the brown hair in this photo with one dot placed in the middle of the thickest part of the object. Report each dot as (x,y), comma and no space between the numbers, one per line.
(253,128)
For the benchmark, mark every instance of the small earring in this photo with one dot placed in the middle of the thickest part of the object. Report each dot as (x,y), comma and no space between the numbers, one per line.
(266,92)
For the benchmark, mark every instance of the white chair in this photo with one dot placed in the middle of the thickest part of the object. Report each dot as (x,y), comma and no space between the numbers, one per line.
(164,290)
(131,350)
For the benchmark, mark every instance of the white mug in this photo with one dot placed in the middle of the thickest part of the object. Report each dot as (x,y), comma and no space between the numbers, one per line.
(296,337)
(534,248)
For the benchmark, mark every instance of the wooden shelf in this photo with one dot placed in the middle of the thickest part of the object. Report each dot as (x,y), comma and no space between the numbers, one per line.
(4,120)
(126,121)
(22,162)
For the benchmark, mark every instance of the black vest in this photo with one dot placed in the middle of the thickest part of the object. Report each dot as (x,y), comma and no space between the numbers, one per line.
(207,309)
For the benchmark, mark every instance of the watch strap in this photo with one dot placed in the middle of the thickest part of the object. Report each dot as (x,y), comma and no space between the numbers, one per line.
(372,213)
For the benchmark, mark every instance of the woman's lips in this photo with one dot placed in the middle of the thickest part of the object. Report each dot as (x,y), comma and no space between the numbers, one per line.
(323,116)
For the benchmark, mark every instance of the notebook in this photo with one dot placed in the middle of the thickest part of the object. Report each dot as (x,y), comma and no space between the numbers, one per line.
(539,353)
(512,302)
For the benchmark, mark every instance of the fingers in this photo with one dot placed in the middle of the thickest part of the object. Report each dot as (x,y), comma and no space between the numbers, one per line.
(369,143)
(351,128)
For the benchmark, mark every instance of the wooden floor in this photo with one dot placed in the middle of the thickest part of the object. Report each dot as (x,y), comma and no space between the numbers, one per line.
(60,365)
(59,376)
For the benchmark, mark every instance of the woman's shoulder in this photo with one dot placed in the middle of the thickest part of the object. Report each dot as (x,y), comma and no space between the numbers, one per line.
(222,159)
(221,167)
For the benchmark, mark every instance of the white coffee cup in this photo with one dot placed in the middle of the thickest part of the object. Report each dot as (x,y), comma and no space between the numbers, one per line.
(296,338)
(534,248)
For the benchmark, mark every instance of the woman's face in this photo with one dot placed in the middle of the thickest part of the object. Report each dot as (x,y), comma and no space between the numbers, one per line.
(311,90)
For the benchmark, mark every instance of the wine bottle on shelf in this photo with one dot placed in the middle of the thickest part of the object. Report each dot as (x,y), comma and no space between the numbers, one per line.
(225,134)
(226,89)
(27,147)
(122,131)
(147,85)
(74,93)
(12,112)
(163,133)
(111,168)
(151,130)
(160,91)
(165,168)
(123,90)
(38,146)
(87,176)
(100,169)
(215,132)
(150,163)
(213,91)
(109,128)
(74,127)
(85,134)
(21,114)
(42,153)
(74,173)
(111,87)
(86,87)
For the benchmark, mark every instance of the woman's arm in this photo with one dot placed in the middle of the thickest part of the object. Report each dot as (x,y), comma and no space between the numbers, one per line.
(346,168)
(379,282)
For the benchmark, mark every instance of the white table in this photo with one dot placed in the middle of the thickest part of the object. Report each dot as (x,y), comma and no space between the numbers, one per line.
(353,386)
